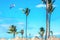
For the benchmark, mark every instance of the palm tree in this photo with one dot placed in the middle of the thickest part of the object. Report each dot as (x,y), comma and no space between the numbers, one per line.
(49,10)
(22,32)
(26,11)
(41,32)
(12,30)
(51,33)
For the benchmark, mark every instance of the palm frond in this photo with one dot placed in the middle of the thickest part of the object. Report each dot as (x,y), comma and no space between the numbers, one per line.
(44,1)
(16,32)
(9,32)
(53,1)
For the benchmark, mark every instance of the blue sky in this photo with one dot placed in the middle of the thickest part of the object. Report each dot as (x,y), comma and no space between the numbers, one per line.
(36,18)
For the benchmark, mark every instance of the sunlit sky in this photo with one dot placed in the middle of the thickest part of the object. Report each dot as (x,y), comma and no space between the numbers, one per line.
(36,17)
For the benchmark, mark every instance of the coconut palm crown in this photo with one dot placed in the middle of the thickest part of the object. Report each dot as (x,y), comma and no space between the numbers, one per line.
(26,11)
(12,30)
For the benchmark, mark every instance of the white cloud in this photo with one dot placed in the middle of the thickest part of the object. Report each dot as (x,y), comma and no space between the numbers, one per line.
(40,5)
(4,25)
(9,19)
(56,33)
(37,35)
(20,8)
(8,25)
(43,6)
(21,23)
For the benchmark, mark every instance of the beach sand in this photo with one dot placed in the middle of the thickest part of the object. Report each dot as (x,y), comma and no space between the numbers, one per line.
(17,38)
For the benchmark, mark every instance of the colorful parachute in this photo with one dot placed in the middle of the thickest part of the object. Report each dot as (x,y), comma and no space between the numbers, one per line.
(12,5)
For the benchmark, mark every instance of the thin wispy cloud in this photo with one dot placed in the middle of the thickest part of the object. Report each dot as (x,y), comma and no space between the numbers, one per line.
(21,23)
(20,8)
(41,5)
(8,19)
(4,25)
(37,35)
(56,33)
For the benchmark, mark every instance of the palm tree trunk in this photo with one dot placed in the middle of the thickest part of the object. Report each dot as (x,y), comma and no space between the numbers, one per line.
(14,35)
(47,21)
(42,38)
(26,27)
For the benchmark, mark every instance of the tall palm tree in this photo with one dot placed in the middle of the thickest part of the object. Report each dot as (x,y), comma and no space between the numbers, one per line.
(26,11)
(22,32)
(49,10)
(12,30)
(41,32)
